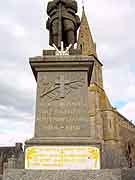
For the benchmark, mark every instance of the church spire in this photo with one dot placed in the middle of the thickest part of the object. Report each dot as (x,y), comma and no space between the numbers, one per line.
(85,40)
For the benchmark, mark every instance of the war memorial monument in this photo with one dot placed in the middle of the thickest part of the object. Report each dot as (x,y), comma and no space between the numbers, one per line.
(78,134)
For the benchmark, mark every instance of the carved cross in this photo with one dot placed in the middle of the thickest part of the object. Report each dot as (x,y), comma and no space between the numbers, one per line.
(62,84)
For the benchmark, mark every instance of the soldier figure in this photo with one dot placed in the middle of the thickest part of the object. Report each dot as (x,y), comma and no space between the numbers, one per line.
(63,22)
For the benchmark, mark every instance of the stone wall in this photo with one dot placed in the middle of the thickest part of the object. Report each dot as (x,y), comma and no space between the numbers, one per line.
(63,175)
(128,174)
(7,152)
(119,141)
(127,138)
(115,131)
(115,174)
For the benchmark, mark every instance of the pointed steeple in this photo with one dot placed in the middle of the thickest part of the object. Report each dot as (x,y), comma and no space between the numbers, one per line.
(85,40)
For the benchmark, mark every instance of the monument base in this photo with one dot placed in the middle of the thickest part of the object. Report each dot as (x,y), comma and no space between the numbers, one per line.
(115,174)
(63,141)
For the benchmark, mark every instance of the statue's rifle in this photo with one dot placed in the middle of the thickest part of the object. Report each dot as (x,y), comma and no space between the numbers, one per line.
(60,25)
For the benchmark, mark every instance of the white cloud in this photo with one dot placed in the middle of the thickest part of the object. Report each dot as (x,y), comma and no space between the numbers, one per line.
(120,83)
(10,138)
(18,31)
(17,126)
(129,111)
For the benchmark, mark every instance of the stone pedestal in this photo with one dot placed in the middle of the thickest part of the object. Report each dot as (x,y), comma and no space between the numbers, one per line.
(62,99)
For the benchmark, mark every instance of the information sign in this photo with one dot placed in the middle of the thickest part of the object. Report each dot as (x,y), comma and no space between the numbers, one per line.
(62,157)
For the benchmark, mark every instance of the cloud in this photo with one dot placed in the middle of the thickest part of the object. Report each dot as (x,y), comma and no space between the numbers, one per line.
(17,126)
(129,110)
(113,27)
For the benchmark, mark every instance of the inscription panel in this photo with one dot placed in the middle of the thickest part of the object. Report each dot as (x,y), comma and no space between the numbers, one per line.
(62,158)
(62,104)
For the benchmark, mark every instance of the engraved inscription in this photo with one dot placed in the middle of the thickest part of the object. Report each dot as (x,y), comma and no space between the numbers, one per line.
(63,104)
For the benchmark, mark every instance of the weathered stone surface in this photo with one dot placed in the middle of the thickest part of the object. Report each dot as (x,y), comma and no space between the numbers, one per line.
(12,151)
(115,174)
(110,126)
(108,129)
(62,104)
(85,40)
(63,175)
(62,96)
(128,174)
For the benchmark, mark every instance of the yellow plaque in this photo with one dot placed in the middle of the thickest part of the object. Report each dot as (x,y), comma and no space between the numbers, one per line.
(62,157)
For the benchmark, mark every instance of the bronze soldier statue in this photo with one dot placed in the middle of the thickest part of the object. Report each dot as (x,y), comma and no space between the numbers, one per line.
(63,22)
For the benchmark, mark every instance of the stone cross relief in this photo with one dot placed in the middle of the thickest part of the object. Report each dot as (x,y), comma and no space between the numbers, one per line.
(62,84)
(60,88)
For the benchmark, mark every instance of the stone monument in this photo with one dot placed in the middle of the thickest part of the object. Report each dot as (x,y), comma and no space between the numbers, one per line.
(62,82)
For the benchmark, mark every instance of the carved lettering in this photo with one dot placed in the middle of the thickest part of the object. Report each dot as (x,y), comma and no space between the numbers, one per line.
(70,128)
(60,103)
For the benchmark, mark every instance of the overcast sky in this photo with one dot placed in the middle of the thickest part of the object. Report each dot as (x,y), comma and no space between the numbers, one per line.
(23,35)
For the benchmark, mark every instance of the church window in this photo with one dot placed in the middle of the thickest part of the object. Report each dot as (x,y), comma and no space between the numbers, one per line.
(110,124)
(129,148)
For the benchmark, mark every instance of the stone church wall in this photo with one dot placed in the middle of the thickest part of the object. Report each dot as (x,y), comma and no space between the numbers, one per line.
(108,125)
(6,153)
(127,139)
(119,140)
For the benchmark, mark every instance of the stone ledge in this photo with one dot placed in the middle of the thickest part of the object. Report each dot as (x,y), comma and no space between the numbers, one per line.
(72,58)
(62,175)
(64,141)
(62,64)
(107,174)
(52,52)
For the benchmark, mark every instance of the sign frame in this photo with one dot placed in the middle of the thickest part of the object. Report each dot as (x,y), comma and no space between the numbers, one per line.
(81,157)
